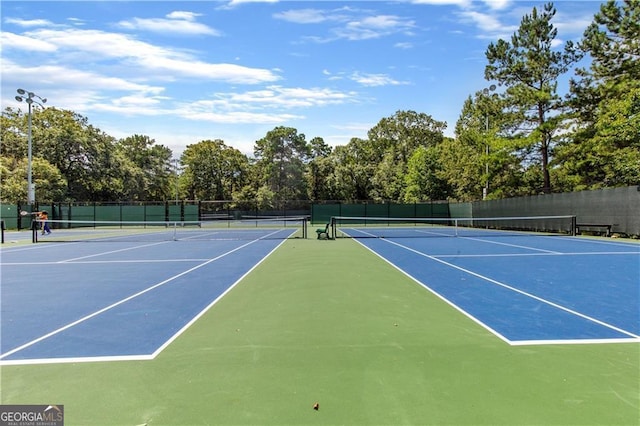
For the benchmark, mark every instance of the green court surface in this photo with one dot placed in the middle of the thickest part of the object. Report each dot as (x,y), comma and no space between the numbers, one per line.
(329,322)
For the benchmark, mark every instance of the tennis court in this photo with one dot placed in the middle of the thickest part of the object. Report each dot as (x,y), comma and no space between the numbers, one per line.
(120,291)
(379,330)
(523,287)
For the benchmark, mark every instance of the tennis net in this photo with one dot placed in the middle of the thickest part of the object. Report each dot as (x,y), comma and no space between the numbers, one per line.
(389,227)
(229,229)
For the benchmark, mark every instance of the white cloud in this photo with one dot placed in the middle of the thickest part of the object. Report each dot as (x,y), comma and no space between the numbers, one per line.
(239,2)
(271,105)
(349,24)
(493,25)
(29,23)
(489,25)
(76,21)
(177,22)
(279,97)
(25,43)
(384,22)
(187,16)
(331,76)
(375,79)
(207,71)
(403,45)
(70,77)
(96,47)
(88,92)
(303,16)
(371,27)
(483,21)
(236,117)
(443,2)
(569,24)
(498,4)
(555,43)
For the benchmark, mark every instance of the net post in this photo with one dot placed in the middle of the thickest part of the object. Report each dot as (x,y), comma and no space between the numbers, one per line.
(34,231)
(333,228)
(574,225)
(304,227)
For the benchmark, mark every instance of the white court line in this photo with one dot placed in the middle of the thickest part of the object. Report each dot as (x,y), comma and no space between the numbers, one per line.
(38,361)
(112,251)
(46,246)
(30,247)
(510,245)
(89,262)
(120,302)
(516,290)
(579,253)
(78,259)
(439,256)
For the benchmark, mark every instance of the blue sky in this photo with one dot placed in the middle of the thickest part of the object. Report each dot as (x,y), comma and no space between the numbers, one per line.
(182,72)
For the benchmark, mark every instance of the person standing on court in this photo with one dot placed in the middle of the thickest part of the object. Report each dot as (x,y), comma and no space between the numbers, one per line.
(43,218)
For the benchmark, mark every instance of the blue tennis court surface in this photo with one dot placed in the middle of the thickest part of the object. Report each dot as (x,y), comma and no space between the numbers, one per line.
(116,300)
(88,301)
(527,289)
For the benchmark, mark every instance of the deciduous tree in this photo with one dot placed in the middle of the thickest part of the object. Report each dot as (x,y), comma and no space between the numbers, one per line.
(148,170)
(392,141)
(213,170)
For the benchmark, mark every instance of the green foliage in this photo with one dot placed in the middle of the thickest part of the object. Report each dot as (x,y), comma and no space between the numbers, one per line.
(524,138)
(91,165)
(460,163)
(147,168)
(352,170)
(49,183)
(319,170)
(612,41)
(423,179)
(281,158)
(603,149)
(529,68)
(391,143)
(213,170)
(611,157)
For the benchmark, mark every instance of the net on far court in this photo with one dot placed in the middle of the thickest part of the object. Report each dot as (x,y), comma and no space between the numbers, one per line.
(151,231)
(388,227)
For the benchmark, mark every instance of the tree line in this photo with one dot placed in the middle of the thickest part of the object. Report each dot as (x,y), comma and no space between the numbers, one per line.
(518,136)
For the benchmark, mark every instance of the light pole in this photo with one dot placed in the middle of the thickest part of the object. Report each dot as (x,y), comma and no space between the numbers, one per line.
(485,190)
(176,167)
(30,98)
